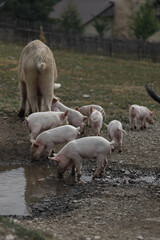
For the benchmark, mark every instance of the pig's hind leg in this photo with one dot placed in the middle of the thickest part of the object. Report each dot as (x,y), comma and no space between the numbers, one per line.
(133,123)
(101,164)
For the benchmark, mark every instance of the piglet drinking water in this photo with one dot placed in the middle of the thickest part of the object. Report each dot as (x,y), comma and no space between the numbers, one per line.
(41,121)
(141,113)
(47,139)
(75,151)
(115,132)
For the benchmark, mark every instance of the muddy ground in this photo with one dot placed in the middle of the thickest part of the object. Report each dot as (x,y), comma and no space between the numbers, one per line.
(123,204)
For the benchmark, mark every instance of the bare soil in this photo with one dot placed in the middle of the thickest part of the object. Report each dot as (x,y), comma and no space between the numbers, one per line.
(123,204)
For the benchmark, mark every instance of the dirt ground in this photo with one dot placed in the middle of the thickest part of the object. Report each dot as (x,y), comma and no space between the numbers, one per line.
(123,204)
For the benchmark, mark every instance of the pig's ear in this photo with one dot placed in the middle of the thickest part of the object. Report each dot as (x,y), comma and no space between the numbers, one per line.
(35,144)
(54,100)
(105,125)
(77,109)
(66,113)
(91,109)
(102,111)
(152,113)
(56,158)
(56,109)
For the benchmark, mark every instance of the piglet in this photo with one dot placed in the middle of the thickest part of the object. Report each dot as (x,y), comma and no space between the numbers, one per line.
(47,139)
(41,121)
(141,113)
(75,118)
(115,132)
(85,110)
(96,119)
(74,152)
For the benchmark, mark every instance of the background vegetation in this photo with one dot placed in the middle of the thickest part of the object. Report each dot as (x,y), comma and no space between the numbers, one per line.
(145,23)
(113,83)
(34,10)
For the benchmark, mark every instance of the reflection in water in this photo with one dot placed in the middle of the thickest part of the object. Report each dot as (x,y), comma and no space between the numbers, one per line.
(12,185)
(41,182)
(20,186)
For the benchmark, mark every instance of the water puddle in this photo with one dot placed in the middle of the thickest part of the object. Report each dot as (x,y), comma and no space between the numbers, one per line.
(130,180)
(20,186)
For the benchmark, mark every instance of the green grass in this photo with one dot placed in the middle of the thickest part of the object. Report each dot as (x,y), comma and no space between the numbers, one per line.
(9,227)
(114,84)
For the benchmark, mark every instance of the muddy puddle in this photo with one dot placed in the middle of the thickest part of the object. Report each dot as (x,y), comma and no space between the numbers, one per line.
(22,186)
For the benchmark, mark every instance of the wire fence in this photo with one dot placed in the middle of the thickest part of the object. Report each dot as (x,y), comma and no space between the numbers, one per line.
(23,31)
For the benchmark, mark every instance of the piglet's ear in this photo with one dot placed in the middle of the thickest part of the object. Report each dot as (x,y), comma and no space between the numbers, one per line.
(105,125)
(91,109)
(66,113)
(35,144)
(56,158)
(54,100)
(152,113)
(56,109)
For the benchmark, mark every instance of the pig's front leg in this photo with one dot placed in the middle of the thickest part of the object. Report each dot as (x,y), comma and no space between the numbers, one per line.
(133,123)
(143,125)
(49,150)
(73,170)
(78,166)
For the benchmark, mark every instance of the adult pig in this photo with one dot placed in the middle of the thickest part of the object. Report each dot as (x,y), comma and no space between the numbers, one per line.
(74,152)
(47,139)
(41,121)
(37,73)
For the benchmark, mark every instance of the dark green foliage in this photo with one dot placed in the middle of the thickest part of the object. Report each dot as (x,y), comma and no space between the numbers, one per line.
(145,22)
(29,10)
(101,24)
(70,21)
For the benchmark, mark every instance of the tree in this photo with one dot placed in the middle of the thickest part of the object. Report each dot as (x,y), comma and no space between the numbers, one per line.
(30,10)
(145,22)
(101,24)
(70,21)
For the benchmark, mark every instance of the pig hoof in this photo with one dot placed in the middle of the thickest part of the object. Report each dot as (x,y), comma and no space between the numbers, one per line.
(131,129)
(135,127)
(141,128)
(120,150)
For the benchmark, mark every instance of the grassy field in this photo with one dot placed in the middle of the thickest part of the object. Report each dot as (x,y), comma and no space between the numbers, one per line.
(114,84)
(9,228)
